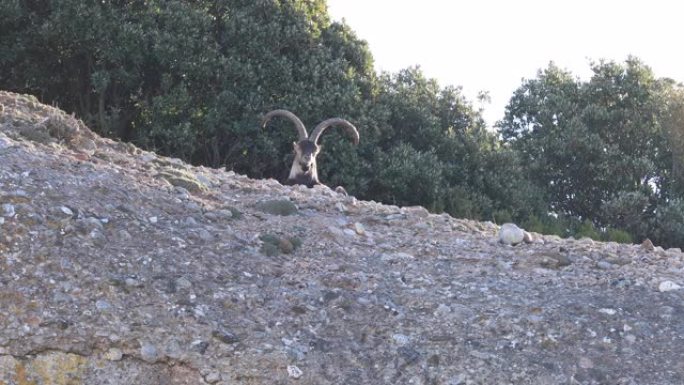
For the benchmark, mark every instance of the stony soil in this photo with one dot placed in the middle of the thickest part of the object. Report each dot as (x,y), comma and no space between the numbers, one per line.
(118,266)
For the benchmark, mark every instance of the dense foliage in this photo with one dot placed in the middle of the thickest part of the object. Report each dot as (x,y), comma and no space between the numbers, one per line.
(191,79)
(608,150)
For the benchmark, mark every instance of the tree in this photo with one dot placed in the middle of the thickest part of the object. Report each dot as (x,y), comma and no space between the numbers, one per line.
(673,123)
(601,149)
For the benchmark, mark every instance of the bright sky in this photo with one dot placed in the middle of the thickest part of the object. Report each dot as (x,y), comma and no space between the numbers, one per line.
(491,45)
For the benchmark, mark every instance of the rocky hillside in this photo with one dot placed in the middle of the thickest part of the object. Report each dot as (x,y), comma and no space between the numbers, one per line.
(118,266)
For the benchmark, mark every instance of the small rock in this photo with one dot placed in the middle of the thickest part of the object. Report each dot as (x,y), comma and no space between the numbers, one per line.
(66,211)
(294,372)
(607,311)
(647,245)
(148,157)
(199,346)
(132,282)
(418,211)
(172,349)
(102,305)
(113,354)
(510,234)
(604,265)
(8,210)
(392,258)
(400,339)
(148,352)
(359,228)
(152,220)
(225,336)
(183,283)
(213,377)
(668,286)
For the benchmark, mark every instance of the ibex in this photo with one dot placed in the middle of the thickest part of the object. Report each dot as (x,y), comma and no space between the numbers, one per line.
(303,169)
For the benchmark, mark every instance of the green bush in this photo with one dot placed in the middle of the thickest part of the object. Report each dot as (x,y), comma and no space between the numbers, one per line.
(409,177)
(630,211)
(670,224)
(619,236)
(587,229)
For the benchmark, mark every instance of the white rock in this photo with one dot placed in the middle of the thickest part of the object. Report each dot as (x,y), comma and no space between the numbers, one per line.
(113,354)
(607,311)
(510,234)
(400,339)
(213,377)
(668,286)
(66,210)
(359,228)
(148,353)
(8,210)
(396,257)
(294,372)
(153,220)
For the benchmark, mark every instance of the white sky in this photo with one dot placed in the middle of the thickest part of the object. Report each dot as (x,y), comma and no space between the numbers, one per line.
(492,44)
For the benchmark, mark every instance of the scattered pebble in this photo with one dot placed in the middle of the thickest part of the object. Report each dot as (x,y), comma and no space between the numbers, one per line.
(148,352)
(8,210)
(113,354)
(668,286)
(102,305)
(213,377)
(294,372)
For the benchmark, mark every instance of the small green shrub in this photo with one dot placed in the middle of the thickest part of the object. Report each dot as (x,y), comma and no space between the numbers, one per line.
(587,229)
(617,235)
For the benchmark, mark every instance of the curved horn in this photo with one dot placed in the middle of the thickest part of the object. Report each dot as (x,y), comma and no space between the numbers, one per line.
(301,130)
(348,128)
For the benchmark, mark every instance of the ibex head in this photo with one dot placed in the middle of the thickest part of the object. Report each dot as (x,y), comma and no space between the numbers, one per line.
(306,148)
